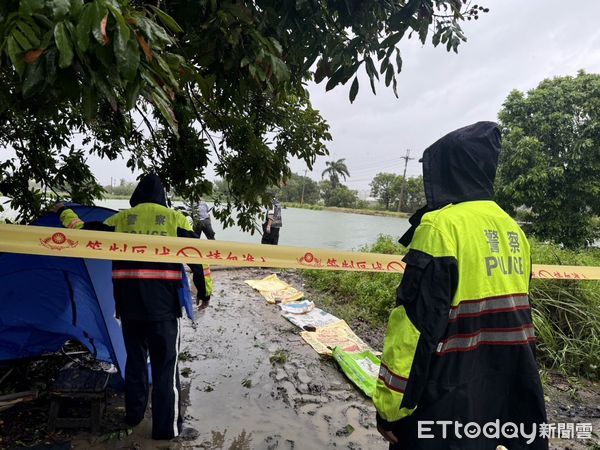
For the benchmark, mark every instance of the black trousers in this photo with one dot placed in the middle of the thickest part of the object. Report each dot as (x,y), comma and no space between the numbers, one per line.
(160,340)
(204,226)
(271,238)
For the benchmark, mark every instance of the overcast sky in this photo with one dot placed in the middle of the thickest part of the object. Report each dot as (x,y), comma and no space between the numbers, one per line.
(514,46)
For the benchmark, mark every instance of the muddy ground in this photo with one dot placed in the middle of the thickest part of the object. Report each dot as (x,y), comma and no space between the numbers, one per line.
(250,382)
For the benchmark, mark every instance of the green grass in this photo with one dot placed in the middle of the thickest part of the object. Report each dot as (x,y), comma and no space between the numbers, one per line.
(566,313)
(279,357)
(365,211)
(368,297)
(303,206)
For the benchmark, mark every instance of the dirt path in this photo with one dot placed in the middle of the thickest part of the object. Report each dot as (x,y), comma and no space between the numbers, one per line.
(239,400)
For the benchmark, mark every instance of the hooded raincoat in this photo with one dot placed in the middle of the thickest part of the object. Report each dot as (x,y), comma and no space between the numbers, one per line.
(147,302)
(459,347)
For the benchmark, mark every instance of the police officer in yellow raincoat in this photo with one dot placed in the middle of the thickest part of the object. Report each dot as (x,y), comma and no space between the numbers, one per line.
(147,302)
(458,365)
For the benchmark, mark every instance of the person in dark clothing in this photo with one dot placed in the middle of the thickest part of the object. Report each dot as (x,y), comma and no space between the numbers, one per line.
(272,224)
(147,302)
(204,224)
(459,348)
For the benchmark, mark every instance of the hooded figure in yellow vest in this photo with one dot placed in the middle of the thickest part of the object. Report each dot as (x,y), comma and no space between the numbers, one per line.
(458,366)
(147,302)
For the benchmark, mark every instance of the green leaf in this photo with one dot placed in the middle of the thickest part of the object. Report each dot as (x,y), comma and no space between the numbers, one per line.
(76,7)
(398,61)
(132,93)
(84,27)
(423,30)
(204,84)
(154,32)
(28,31)
(47,38)
(60,8)
(120,41)
(105,54)
(64,45)
(14,53)
(276,45)
(389,74)
(372,81)
(28,7)
(166,111)
(122,24)
(100,13)
(322,70)
(167,20)
(370,66)
(280,69)
(43,19)
(384,65)
(128,61)
(435,40)
(89,101)
(21,40)
(353,89)
(106,90)
(393,39)
(336,78)
(34,79)
(166,71)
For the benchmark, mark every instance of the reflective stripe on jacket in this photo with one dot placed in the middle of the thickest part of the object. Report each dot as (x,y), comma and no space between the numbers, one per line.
(145,290)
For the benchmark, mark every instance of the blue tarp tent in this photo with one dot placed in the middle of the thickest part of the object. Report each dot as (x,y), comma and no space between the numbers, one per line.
(47,300)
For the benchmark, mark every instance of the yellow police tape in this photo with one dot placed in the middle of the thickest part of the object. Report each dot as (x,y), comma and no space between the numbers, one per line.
(47,241)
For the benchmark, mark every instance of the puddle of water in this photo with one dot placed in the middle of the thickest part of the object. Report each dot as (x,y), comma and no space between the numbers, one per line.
(239,400)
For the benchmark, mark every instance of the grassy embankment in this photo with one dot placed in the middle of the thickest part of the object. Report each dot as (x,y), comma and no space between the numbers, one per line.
(365,211)
(566,313)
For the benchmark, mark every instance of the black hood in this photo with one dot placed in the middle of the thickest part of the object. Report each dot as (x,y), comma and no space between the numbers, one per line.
(149,190)
(459,167)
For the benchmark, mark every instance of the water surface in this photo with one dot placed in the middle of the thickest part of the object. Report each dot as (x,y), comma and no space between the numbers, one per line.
(310,228)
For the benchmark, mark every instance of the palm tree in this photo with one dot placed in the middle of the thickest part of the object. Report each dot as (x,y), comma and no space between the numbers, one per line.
(334,170)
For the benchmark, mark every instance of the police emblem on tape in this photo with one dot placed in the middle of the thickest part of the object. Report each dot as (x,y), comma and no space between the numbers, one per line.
(58,241)
(309,260)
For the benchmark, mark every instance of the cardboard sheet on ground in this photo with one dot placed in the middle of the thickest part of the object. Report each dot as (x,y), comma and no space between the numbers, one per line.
(315,318)
(275,290)
(338,334)
(360,368)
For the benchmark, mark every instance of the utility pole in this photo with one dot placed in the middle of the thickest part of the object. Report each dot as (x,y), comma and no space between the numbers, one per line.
(303,181)
(406,158)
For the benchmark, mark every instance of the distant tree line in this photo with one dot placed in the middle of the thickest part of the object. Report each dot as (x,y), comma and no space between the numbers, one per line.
(302,189)
(390,190)
(398,194)
(124,188)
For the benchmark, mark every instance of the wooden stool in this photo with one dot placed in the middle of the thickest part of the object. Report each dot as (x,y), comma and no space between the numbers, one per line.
(80,384)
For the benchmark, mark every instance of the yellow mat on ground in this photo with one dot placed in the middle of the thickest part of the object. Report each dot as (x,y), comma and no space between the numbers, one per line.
(338,334)
(275,290)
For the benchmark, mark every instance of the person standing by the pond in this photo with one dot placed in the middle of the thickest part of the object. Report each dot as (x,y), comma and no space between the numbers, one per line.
(147,302)
(460,344)
(204,225)
(272,224)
